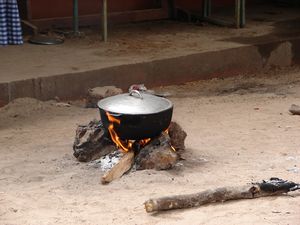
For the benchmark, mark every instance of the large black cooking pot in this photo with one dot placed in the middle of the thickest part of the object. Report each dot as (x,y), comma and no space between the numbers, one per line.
(141,115)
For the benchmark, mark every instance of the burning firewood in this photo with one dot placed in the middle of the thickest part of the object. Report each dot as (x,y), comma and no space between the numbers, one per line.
(274,186)
(119,169)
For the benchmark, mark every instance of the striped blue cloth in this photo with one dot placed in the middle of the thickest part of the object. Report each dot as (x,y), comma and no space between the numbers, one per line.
(10,25)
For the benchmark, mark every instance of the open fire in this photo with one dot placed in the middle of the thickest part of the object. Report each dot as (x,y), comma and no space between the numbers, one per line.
(135,131)
(94,142)
(126,145)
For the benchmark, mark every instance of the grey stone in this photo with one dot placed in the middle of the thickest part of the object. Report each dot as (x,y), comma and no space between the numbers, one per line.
(92,142)
(96,94)
(178,136)
(157,155)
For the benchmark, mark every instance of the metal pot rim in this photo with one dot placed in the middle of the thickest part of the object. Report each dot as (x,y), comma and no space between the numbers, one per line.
(135,103)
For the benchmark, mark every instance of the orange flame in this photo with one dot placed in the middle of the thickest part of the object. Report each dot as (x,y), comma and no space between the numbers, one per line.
(145,141)
(113,119)
(126,146)
(173,148)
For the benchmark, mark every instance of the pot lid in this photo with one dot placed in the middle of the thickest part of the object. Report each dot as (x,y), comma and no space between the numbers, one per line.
(45,40)
(135,103)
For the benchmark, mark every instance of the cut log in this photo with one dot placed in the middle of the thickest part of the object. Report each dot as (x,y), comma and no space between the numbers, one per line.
(295,109)
(92,142)
(119,169)
(157,154)
(272,187)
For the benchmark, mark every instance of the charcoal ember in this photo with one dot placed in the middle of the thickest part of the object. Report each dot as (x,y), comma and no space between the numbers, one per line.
(92,142)
(178,136)
(96,94)
(157,155)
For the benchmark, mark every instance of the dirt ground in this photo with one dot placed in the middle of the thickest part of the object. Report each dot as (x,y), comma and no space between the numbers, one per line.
(239,131)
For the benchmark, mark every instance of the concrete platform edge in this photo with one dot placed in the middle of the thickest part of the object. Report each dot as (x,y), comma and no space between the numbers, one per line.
(222,63)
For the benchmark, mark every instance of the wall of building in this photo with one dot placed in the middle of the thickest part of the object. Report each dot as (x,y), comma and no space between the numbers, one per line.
(197,4)
(48,13)
(58,8)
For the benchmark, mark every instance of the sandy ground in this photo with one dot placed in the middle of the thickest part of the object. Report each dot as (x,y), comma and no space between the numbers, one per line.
(239,131)
(140,42)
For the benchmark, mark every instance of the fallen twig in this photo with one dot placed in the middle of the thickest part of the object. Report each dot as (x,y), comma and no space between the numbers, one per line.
(274,186)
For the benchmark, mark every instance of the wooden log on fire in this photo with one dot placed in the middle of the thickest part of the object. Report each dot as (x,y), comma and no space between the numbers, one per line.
(274,186)
(119,169)
(92,142)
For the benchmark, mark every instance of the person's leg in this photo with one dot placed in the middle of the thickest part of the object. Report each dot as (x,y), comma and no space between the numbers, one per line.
(3,23)
(14,29)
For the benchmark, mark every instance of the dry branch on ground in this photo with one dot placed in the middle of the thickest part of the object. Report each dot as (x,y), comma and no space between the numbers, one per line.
(272,187)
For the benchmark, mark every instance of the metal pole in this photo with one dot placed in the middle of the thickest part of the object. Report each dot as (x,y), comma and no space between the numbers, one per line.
(75,17)
(208,8)
(104,12)
(171,8)
(204,10)
(238,13)
(243,13)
